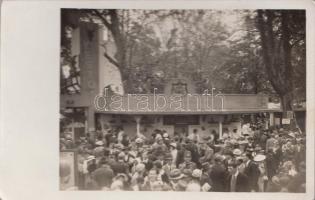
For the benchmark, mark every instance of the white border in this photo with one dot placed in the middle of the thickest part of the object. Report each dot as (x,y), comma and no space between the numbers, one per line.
(30,97)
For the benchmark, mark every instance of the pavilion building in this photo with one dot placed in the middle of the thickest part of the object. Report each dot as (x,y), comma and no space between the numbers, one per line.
(178,109)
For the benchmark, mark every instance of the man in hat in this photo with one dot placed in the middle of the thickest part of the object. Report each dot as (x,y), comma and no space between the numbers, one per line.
(251,171)
(262,179)
(193,148)
(236,181)
(218,175)
(237,153)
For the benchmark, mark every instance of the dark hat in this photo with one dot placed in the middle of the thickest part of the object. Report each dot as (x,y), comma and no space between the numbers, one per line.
(206,137)
(187,172)
(176,174)
(158,164)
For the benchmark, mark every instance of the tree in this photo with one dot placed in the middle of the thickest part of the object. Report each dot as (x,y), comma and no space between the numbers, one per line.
(282,33)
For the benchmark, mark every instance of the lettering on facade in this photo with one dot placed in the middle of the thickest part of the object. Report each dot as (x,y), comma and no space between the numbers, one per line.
(159,102)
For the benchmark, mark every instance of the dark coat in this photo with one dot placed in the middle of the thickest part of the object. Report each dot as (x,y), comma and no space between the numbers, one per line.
(218,176)
(271,165)
(242,184)
(252,172)
(120,167)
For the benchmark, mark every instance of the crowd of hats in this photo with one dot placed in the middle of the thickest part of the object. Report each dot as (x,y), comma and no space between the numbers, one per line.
(161,162)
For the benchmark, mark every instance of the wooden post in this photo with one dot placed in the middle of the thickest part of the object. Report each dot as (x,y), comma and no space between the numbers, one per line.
(271,119)
(138,119)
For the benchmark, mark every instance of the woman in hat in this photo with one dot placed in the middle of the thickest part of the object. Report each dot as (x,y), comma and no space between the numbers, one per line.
(177,181)
(194,184)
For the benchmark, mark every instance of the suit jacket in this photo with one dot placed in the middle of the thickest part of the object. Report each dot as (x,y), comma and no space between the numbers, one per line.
(241,183)
(218,178)
(252,172)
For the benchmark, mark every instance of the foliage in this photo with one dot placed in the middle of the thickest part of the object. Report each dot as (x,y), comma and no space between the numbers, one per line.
(250,56)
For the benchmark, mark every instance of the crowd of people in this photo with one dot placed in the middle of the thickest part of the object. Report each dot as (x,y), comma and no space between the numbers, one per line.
(259,160)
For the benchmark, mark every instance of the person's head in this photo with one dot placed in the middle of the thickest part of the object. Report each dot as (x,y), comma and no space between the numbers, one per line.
(168,158)
(195,131)
(188,140)
(157,164)
(159,140)
(232,167)
(173,146)
(248,156)
(160,156)
(187,156)
(121,177)
(218,159)
(196,174)
(139,142)
(140,167)
(103,162)
(117,185)
(121,156)
(175,176)
(152,176)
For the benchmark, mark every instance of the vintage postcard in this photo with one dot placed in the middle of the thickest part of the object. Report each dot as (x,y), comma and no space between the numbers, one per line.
(160,98)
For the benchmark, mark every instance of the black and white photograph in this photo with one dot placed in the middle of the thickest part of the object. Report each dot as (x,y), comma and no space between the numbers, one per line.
(157,99)
(182,100)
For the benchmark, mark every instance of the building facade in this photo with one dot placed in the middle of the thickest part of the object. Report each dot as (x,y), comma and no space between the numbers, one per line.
(178,110)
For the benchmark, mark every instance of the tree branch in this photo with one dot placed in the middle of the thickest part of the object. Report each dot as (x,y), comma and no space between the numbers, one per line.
(111,60)
(102,18)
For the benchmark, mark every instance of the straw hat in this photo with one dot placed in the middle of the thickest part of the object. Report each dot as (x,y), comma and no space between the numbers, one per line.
(259,158)
(237,152)
(176,174)
(196,173)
